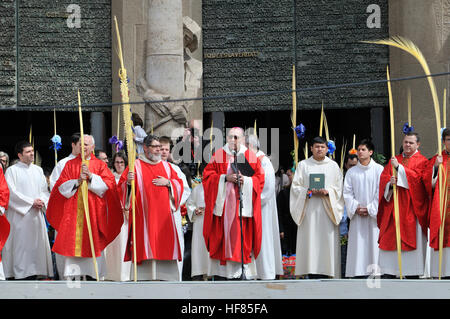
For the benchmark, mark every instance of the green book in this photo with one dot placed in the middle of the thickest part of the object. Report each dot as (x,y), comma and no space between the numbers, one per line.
(316,181)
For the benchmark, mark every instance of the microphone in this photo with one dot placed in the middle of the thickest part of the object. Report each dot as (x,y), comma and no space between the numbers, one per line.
(239,197)
(234,164)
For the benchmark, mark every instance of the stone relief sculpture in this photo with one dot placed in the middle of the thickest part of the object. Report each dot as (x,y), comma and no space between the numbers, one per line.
(193,67)
(171,71)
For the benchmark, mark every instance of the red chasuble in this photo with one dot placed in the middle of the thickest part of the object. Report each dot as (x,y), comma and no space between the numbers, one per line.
(434,218)
(413,204)
(4,200)
(67,215)
(214,226)
(156,233)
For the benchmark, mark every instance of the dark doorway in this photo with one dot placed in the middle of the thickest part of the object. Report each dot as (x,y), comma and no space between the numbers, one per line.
(342,124)
(16,127)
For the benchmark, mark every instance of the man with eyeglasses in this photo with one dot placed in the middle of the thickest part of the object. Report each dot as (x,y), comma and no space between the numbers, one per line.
(222,224)
(66,213)
(54,176)
(76,149)
(158,195)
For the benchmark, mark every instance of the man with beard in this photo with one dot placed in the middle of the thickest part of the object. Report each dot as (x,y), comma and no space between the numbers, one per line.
(158,195)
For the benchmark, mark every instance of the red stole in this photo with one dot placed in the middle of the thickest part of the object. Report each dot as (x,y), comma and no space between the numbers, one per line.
(156,233)
(67,215)
(214,226)
(4,200)
(413,204)
(434,214)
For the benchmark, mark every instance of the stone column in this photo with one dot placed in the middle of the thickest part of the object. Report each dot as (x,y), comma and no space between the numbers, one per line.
(193,9)
(164,61)
(152,40)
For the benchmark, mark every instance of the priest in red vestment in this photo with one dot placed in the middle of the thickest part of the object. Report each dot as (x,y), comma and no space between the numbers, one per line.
(413,211)
(158,196)
(222,230)
(4,224)
(432,184)
(66,214)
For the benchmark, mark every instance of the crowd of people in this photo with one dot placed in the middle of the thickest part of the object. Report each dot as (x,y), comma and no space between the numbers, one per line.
(230,218)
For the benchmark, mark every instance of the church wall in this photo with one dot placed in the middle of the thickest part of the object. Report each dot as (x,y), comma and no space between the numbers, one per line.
(248,47)
(61,48)
(7,53)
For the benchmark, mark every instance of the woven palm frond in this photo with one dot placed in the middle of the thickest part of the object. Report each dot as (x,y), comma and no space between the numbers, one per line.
(408,46)
(294,116)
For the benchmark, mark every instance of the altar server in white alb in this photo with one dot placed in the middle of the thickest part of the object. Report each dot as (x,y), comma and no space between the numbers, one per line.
(195,206)
(165,142)
(361,189)
(317,212)
(269,262)
(27,250)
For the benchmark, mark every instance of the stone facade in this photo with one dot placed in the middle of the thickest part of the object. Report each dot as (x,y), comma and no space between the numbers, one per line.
(56,57)
(7,53)
(248,47)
